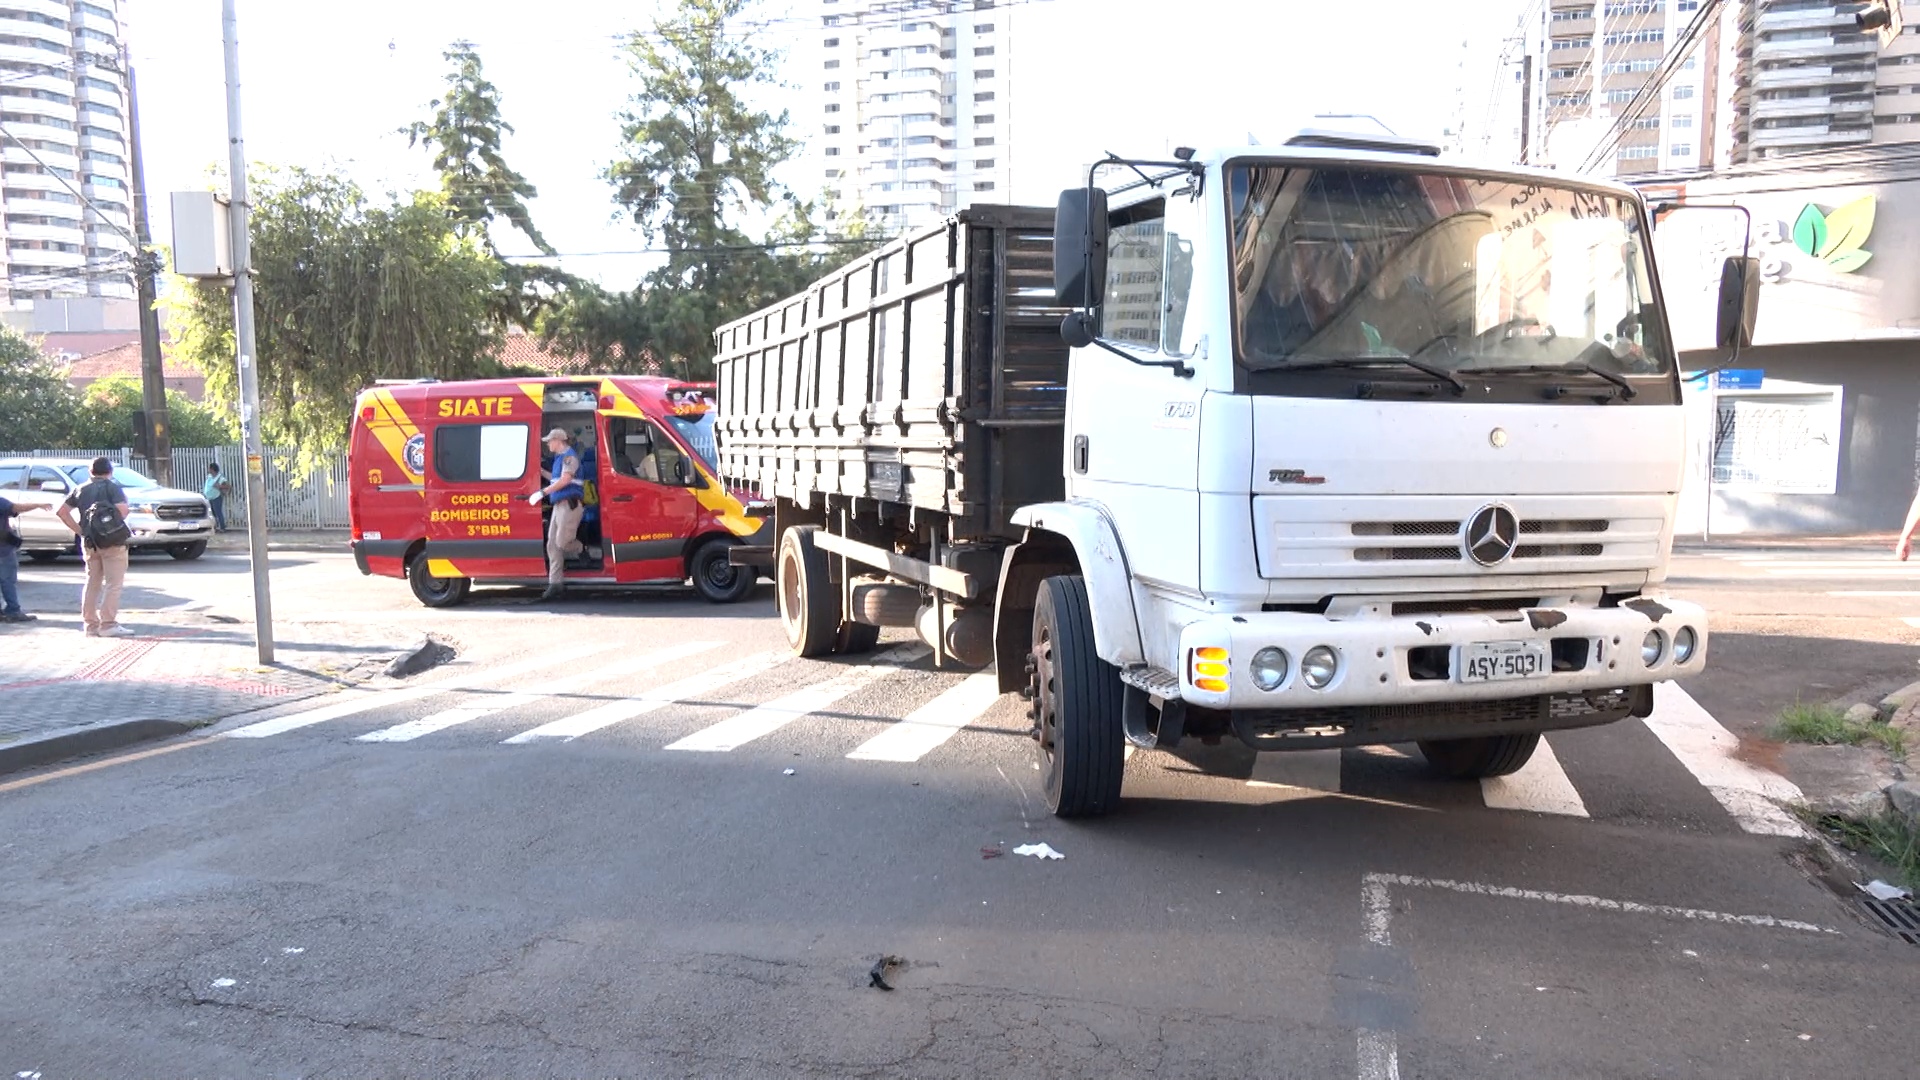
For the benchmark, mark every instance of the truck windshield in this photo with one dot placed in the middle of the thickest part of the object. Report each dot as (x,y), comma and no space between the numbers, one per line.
(1481,277)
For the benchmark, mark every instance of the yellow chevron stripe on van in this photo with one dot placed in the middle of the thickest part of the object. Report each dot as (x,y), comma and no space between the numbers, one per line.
(536,391)
(393,428)
(443,568)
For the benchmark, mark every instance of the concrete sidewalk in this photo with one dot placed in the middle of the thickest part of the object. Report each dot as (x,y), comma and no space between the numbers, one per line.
(234,540)
(66,693)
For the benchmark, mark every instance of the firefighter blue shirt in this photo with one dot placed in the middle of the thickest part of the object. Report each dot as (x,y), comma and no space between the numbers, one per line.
(573,490)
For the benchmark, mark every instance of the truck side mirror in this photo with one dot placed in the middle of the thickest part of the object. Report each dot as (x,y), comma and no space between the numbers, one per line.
(1080,247)
(1739,302)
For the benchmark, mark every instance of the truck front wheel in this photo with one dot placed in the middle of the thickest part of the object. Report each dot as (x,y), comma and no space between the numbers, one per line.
(809,602)
(1077,701)
(1479,758)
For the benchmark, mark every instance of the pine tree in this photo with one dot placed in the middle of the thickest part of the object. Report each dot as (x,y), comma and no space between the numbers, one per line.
(465,136)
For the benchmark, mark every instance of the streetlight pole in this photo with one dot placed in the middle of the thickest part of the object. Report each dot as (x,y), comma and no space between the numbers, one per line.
(146,266)
(250,435)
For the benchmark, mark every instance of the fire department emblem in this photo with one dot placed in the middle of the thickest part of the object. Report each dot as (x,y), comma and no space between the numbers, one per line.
(415,455)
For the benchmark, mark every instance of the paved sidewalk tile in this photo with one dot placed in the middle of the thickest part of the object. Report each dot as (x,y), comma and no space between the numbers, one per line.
(190,667)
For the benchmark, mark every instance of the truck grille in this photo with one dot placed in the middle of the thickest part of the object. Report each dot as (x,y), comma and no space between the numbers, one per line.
(178,511)
(1454,553)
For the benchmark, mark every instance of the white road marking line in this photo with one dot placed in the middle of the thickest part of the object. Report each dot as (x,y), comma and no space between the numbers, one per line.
(445,719)
(1297,774)
(1752,795)
(1598,903)
(1861,571)
(660,697)
(1378,1053)
(932,724)
(1541,786)
(736,731)
(365,700)
(1911,620)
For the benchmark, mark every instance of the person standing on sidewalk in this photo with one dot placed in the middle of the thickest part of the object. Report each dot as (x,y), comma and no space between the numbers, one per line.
(215,489)
(563,492)
(101,505)
(10,610)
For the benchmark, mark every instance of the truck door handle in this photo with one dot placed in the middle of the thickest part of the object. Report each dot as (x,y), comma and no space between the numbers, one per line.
(1080,453)
(622,498)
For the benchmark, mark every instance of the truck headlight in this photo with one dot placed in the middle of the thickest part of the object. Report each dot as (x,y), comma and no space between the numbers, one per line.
(1685,641)
(1319,666)
(1268,668)
(1652,647)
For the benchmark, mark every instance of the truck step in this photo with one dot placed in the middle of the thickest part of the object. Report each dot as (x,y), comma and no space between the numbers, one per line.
(1156,681)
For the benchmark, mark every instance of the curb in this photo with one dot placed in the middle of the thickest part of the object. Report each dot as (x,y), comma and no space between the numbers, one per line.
(33,753)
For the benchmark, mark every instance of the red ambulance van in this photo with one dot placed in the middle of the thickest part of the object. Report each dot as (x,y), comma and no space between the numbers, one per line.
(441,471)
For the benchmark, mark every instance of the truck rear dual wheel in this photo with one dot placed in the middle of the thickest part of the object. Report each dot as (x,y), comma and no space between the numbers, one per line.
(1477,759)
(1077,698)
(809,602)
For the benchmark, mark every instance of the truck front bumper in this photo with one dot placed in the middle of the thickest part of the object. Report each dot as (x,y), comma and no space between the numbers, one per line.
(1401,677)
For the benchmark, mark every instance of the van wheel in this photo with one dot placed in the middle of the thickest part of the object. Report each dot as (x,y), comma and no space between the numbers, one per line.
(187,552)
(1478,758)
(809,604)
(1077,702)
(435,591)
(45,556)
(717,580)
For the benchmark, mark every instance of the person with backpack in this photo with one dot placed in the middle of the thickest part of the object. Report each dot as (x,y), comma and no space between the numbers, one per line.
(101,522)
(215,489)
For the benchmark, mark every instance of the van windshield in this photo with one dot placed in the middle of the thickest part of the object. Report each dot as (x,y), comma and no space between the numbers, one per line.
(697,433)
(1480,276)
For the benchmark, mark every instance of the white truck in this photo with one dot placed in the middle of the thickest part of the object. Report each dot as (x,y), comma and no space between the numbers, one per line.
(1321,445)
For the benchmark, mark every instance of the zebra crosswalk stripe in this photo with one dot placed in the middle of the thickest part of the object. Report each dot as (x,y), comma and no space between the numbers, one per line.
(614,712)
(1752,795)
(761,721)
(932,724)
(1540,785)
(448,718)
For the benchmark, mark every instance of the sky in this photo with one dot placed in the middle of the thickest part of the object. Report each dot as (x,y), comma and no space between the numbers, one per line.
(1134,77)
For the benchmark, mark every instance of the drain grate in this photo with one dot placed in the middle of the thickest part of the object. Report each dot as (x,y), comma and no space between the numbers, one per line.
(1899,916)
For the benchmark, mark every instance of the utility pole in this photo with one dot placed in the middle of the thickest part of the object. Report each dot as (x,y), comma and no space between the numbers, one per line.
(251,439)
(146,267)
(1526,108)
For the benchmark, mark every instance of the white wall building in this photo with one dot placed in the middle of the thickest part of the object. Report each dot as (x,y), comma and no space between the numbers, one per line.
(63,128)
(912,113)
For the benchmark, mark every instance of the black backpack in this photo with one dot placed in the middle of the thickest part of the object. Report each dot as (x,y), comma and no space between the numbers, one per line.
(101,525)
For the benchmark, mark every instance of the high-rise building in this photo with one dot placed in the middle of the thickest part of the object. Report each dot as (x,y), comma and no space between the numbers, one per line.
(63,135)
(1587,61)
(1805,79)
(913,110)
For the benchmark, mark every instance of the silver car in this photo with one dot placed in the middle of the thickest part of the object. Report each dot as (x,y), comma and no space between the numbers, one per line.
(163,518)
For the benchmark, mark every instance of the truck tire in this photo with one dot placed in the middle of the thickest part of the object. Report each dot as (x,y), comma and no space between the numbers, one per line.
(435,591)
(716,579)
(1478,758)
(1077,701)
(189,551)
(809,602)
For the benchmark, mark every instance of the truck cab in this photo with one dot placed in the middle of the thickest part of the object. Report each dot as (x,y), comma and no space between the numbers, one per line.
(440,475)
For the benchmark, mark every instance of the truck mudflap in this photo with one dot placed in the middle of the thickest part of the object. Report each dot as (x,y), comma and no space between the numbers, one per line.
(1380,666)
(1366,725)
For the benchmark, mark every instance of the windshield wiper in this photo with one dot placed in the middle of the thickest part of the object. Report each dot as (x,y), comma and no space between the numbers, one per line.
(1578,367)
(1459,388)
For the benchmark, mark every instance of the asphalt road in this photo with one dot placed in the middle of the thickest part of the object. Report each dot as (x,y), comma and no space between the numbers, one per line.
(523,865)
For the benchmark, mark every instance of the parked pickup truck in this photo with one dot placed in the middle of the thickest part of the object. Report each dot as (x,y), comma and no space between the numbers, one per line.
(1326,444)
(166,519)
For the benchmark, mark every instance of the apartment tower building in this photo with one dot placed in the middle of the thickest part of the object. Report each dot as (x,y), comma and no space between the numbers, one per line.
(63,134)
(1805,79)
(914,109)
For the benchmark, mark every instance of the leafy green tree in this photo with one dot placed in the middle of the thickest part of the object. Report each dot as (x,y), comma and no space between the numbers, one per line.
(611,329)
(465,136)
(697,160)
(106,416)
(37,407)
(346,291)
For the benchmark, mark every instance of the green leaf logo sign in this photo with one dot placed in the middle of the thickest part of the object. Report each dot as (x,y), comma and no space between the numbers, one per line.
(1837,238)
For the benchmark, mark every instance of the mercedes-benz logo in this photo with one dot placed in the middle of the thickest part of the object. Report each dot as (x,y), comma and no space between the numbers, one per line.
(1491,534)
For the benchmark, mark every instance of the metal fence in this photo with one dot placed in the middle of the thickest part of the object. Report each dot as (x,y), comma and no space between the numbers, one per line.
(296,498)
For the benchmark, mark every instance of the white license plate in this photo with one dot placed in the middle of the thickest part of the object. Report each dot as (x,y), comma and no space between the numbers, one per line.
(1499,661)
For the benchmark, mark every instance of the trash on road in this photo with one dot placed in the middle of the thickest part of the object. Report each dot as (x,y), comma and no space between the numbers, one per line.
(1038,851)
(786,772)
(1880,890)
(222,984)
(877,976)
(991,852)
